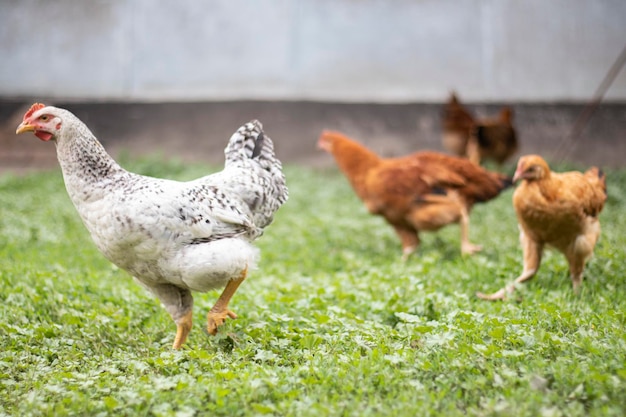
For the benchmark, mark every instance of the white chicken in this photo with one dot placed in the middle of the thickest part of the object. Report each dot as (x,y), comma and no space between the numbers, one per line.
(173,237)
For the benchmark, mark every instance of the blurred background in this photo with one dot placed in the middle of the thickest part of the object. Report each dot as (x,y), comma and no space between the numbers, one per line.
(178,78)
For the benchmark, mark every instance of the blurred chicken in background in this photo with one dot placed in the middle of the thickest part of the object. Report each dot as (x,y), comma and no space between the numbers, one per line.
(478,139)
(423,191)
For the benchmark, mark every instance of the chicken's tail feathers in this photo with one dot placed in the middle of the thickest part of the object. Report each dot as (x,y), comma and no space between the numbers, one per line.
(250,142)
(595,172)
(492,188)
(250,148)
(258,145)
(246,143)
(602,178)
(506,182)
(597,176)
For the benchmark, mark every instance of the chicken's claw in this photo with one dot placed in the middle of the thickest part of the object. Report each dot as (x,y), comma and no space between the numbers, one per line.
(216,319)
(496,296)
(501,294)
(470,249)
(407,252)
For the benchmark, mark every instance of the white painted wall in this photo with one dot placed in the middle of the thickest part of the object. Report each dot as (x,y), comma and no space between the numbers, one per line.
(337,50)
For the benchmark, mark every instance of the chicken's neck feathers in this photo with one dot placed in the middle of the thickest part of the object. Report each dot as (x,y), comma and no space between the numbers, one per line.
(549,188)
(85,164)
(355,160)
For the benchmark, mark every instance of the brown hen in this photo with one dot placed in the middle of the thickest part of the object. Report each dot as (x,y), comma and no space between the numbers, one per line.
(558,210)
(423,191)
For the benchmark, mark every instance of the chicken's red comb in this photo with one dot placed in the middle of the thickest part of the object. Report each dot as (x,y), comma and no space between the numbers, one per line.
(33,109)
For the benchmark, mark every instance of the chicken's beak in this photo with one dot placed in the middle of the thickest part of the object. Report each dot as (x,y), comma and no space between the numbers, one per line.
(324,145)
(24,127)
(518,176)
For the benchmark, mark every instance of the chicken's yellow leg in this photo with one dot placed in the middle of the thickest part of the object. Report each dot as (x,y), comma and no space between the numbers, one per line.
(467,247)
(218,314)
(532,260)
(183,327)
(410,241)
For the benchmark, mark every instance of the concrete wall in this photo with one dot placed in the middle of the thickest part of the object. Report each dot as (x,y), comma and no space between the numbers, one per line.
(336,50)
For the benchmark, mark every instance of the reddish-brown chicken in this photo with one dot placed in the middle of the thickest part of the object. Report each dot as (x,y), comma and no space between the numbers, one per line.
(423,191)
(478,139)
(558,210)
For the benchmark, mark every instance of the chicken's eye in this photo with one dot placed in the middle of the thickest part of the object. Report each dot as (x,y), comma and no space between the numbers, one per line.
(44,118)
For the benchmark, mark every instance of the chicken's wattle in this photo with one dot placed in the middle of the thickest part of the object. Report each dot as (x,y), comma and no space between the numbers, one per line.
(43,135)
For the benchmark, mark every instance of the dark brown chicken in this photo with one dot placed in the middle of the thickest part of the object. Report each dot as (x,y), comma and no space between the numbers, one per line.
(478,139)
(423,191)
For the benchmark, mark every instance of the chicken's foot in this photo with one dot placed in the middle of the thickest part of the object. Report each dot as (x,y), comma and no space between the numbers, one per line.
(504,292)
(532,260)
(183,327)
(220,312)
(407,252)
(410,241)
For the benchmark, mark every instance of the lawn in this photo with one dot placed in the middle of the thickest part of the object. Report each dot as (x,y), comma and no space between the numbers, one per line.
(331,323)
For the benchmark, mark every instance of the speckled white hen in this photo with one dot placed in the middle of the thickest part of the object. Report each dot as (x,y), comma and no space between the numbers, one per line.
(173,237)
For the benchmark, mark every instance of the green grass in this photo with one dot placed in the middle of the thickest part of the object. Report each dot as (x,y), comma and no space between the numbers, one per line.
(331,323)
